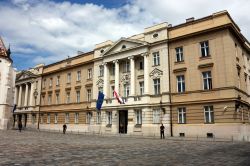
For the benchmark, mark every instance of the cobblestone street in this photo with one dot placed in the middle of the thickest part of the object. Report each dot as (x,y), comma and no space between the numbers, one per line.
(43,148)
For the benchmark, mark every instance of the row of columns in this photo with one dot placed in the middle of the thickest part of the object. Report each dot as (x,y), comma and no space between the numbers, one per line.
(132,76)
(28,95)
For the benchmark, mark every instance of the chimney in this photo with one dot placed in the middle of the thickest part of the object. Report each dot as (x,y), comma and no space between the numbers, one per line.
(190,19)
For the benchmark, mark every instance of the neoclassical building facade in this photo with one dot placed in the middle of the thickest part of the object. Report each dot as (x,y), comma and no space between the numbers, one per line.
(27,96)
(194,78)
(7,85)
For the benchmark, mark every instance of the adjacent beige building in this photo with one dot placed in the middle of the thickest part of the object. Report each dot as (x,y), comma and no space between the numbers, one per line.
(209,66)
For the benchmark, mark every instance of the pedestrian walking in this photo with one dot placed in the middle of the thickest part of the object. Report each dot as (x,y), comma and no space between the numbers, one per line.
(64,128)
(162,128)
(20,126)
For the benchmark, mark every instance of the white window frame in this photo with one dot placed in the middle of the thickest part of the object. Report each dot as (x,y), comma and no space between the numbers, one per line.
(78,75)
(204,45)
(89,94)
(126,90)
(157,86)
(67,97)
(33,118)
(141,85)
(88,117)
(66,117)
(98,117)
(78,96)
(180,81)
(48,118)
(49,99)
(127,66)
(90,73)
(207,80)
(76,118)
(156,58)
(179,54)
(57,80)
(109,117)
(56,118)
(181,115)
(41,119)
(209,111)
(68,77)
(138,117)
(57,98)
(50,82)
(101,71)
(156,116)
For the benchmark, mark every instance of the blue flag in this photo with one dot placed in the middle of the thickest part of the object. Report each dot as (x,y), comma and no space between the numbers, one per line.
(99,101)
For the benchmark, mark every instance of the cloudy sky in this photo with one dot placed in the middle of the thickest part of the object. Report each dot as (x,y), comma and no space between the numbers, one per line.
(45,31)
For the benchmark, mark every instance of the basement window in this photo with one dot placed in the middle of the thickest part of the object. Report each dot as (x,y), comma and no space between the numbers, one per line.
(182,134)
(210,135)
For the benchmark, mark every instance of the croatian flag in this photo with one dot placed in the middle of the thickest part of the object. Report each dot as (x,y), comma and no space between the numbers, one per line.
(119,99)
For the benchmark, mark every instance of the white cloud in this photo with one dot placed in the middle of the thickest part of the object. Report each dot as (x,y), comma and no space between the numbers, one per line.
(60,29)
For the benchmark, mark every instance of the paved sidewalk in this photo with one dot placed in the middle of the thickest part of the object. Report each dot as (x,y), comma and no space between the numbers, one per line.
(44,148)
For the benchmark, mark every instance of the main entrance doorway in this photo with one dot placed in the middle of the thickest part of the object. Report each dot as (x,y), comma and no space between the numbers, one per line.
(123,121)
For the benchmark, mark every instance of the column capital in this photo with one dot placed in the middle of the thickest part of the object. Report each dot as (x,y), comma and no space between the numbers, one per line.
(116,61)
(144,54)
(104,63)
(131,57)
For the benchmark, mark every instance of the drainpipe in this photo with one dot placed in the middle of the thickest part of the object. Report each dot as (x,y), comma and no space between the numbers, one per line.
(171,115)
(40,95)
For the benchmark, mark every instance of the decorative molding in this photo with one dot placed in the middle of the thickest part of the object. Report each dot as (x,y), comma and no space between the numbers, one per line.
(125,78)
(205,65)
(156,73)
(180,70)
(100,83)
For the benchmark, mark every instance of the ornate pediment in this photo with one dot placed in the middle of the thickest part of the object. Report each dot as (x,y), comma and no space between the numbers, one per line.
(124,44)
(99,83)
(25,75)
(156,73)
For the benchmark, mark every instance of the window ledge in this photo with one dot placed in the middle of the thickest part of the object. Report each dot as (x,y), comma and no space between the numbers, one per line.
(155,65)
(179,62)
(109,125)
(205,57)
(138,126)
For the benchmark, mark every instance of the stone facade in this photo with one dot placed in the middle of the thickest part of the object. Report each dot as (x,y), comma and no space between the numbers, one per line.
(7,82)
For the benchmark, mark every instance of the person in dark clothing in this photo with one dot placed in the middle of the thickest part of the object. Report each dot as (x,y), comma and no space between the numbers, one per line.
(64,128)
(162,128)
(20,126)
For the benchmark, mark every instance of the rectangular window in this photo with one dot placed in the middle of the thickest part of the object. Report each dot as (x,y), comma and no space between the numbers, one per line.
(126,90)
(78,96)
(179,54)
(109,118)
(68,97)
(101,70)
(138,115)
(127,67)
(98,117)
(89,116)
(156,58)
(36,85)
(90,73)
(180,83)
(182,115)
(57,80)
(66,117)
(41,119)
(78,76)
(43,100)
(207,80)
(157,87)
(204,49)
(57,98)
(56,118)
(50,82)
(209,114)
(44,83)
(34,118)
(112,72)
(141,84)
(89,96)
(141,65)
(156,115)
(76,117)
(48,118)
(49,99)
(68,77)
